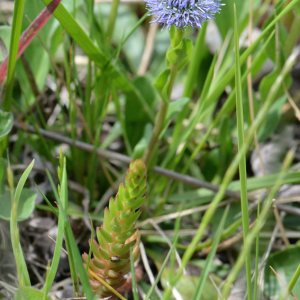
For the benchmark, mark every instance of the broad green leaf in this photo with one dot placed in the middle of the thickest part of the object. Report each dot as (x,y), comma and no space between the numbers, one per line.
(174,108)
(161,84)
(6,123)
(29,293)
(181,54)
(5,32)
(285,264)
(25,205)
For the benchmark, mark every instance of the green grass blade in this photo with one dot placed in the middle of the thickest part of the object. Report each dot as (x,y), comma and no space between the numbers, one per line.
(212,252)
(63,204)
(13,51)
(90,252)
(181,137)
(160,272)
(232,168)
(257,227)
(82,39)
(195,62)
(48,202)
(71,258)
(228,106)
(56,256)
(112,19)
(24,279)
(75,259)
(216,91)
(79,264)
(47,276)
(134,287)
(173,255)
(242,162)
(256,256)
(53,185)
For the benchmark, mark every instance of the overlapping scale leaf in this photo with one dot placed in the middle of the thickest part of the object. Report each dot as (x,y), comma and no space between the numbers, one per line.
(117,234)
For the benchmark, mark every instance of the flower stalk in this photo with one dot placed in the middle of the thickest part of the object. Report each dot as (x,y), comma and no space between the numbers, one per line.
(176,15)
(176,36)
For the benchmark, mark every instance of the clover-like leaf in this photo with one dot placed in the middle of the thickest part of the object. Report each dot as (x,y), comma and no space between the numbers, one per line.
(25,205)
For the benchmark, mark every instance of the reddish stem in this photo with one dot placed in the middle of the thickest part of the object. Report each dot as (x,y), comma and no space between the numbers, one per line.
(30,33)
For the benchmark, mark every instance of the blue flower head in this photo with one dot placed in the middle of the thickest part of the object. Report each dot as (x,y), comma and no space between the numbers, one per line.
(183,13)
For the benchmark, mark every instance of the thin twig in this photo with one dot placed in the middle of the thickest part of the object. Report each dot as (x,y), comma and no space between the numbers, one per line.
(281,227)
(175,215)
(216,287)
(291,102)
(110,155)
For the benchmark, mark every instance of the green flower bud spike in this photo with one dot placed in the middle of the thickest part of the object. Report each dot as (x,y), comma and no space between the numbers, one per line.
(117,234)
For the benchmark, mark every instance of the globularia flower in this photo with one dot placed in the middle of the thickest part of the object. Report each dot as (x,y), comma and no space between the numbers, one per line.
(183,13)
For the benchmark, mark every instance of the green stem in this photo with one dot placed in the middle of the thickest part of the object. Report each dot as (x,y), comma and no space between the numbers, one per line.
(112,19)
(88,90)
(242,162)
(158,125)
(176,36)
(293,35)
(13,52)
(256,256)
(191,79)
